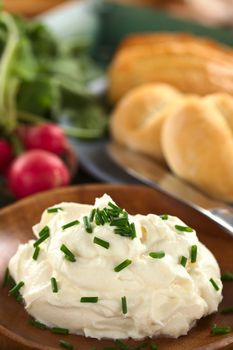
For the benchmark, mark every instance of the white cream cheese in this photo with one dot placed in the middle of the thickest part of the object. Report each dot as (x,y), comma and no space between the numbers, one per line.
(163,297)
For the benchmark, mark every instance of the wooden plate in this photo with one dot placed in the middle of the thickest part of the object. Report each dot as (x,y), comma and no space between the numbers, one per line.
(15,227)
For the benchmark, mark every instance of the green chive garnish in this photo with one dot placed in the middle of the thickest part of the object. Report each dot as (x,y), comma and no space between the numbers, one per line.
(193,253)
(54,285)
(54,210)
(115,207)
(121,345)
(153,346)
(68,254)
(220,330)
(214,284)
(164,217)
(15,290)
(101,242)
(66,345)
(36,253)
(42,239)
(92,215)
(104,216)
(133,230)
(44,231)
(98,217)
(37,324)
(58,330)
(6,277)
(183,228)
(124,305)
(70,224)
(119,222)
(227,276)
(122,265)
(89,300)
(183,261)
(87,224)
(227,310)
(157,255)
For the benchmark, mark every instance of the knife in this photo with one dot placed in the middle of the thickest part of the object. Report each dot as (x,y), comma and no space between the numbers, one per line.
(158,176)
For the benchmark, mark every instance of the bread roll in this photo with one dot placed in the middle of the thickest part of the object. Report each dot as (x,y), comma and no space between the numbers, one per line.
(191,64)
(197,141)
(138,118)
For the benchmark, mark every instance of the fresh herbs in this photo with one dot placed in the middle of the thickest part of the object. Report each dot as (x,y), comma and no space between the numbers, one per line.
(70,224)
(214,284)
(54,210)
(183,261)
(43,237)
(68,254)
(15,291)
(87,224)
(122,265)
(89,300)
(36,253)
(157,255)
(101,242)
(220,330)
(124,305)
(183,228)
(43,75)
(193,253)
(59,330)
(227,310)
(227,276)
(164,217)
(65,345)
(54,285)
(37,324)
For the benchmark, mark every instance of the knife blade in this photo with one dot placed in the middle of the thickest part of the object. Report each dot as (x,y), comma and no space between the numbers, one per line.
(152,173)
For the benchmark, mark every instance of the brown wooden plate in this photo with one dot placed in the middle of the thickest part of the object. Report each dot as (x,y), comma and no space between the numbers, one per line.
(15,227)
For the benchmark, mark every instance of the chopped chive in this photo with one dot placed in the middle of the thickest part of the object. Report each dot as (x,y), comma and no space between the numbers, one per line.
(89,300)
(54,285)
(70,224)
(193,253)
(101,242)
(44,231)
(121,345)
(164,217)
(119,222)
(214,284)
(36,253)
(104,216)
(133,230)
(227,310)
(92,215)
(227,276)
(183,261)
(15,290)
(220,330)
(42,239)
(153,346)
(54,210)
(59,330)
(98,217)
(68,254)
(37,324)
(124,305)
(115,207)
(66,345)
(183,228)
(122,265)
(6,277)
(123,231)
(157,255)
(87,224)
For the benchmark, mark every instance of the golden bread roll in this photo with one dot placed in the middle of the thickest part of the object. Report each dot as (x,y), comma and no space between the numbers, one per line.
(191,64)
(197,141)
(137,119)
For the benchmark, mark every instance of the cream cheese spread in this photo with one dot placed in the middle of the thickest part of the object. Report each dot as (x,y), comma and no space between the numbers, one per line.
(116,276)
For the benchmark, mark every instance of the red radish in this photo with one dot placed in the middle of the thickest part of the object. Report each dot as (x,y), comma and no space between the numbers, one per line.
(49,137)
(6,154)
(35,171)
